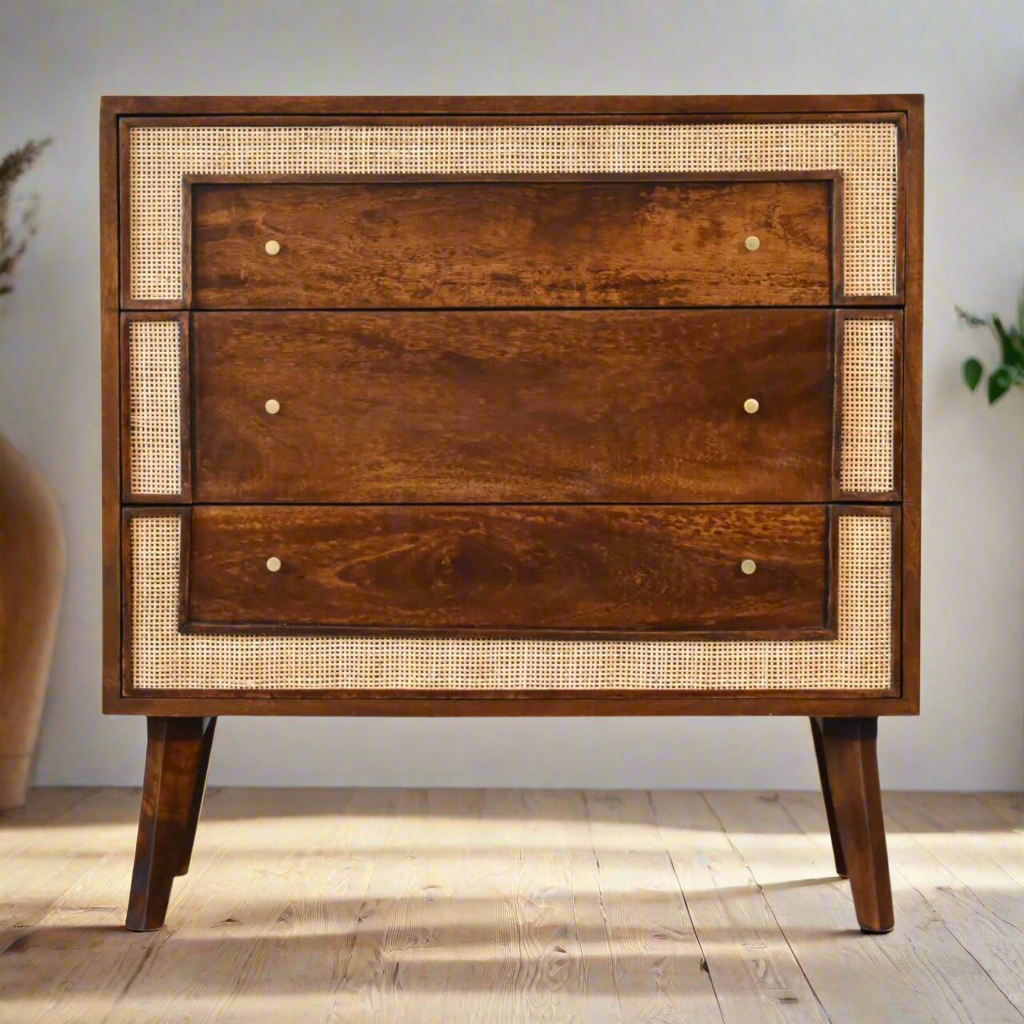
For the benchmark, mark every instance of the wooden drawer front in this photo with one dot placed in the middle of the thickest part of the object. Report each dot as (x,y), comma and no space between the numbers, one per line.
(547,569)
(513,406)
(513,243)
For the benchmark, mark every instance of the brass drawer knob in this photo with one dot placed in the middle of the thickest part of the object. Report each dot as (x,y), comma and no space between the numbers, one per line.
(748,567)
(273,247)
(752,242)
(273,406)
(274,564)
(751,405)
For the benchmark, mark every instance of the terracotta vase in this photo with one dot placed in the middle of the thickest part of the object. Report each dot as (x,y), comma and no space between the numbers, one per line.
(33,559)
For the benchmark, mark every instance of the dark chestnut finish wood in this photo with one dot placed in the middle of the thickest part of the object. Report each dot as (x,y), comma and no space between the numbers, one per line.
(401,702)
(553,406)
(177,759)
(280,111)
(911,421)
(167,107)
(851,763)
(505,704)
(407,701)
(612,436)
(587,241)
(826,792)
(905,110)
(610,569)
(110,387)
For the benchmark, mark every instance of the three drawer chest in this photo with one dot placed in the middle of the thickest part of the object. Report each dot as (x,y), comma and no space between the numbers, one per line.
(521,406)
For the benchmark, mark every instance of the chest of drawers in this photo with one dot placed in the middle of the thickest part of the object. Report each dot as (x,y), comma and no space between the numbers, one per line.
(511,406)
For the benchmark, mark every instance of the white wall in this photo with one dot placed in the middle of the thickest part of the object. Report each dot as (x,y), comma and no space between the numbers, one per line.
(56,59)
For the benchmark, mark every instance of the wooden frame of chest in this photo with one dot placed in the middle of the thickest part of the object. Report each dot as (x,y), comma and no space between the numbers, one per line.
(529,406)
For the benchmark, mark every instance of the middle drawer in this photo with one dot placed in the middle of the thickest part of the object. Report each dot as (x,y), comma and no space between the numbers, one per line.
(566,406)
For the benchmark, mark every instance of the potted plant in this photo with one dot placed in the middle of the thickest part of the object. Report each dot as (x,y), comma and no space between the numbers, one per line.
(1009,372)
(32,546)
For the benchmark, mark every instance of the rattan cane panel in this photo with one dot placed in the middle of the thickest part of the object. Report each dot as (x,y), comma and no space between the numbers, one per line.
(154,434)
(865,152)
(165,659)
(869,361)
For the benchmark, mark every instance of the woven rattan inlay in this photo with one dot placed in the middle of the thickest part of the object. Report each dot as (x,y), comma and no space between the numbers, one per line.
(165,659)
(154,436)
(864,151)
(866,456)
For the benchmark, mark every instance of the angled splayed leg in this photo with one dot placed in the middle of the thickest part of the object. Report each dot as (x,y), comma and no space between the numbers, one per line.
(851,768)
(177,759)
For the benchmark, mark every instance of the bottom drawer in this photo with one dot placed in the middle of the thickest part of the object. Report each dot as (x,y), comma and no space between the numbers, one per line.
(617,569)
(511,597)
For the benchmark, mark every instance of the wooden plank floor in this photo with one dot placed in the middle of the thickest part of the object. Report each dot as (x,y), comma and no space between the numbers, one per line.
(461,906)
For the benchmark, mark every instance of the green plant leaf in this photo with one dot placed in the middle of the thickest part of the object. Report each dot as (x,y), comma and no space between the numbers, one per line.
(973,371)
(999,382)
(1012,354)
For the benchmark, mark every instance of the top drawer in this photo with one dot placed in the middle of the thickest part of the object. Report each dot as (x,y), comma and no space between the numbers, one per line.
(585,211)
(500,243)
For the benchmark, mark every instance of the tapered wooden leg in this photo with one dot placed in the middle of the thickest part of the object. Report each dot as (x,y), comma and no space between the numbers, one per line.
(177,758)
(826,792)
(851,765)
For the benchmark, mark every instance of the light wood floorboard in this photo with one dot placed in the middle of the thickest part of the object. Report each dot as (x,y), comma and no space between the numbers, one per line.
(510,906)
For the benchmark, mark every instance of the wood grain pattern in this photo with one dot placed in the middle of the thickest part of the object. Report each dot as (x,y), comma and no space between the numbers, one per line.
(852,974)
(97,959)
(295,900)
(751,965)
(826,793)
(572,940)
(952,972)
(509,243)
(657,959)
(405,941)
(36,873)
(177,758)
(617,568)
(904,110)
(285,881)
(550,406)
(978,816)
(957,860)
(503,702)
(849,746)
(23,826)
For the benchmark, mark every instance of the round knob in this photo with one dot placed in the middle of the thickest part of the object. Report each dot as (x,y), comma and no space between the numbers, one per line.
(751,405)
(273,247)
(748,567)
(274,564)
(273,406)
(752,242)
